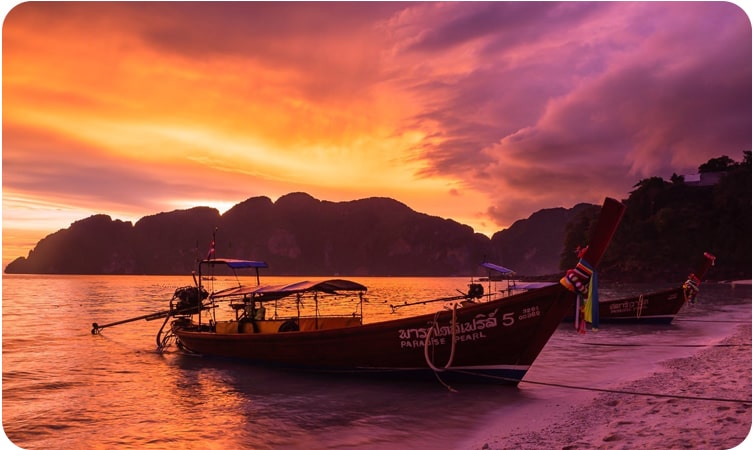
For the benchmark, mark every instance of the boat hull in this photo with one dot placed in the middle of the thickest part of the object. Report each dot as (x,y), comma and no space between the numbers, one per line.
(495,341)
(658,307)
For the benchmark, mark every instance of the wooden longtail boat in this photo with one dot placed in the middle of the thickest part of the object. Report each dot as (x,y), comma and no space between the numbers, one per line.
(655,307)
(658,307)
(474,341)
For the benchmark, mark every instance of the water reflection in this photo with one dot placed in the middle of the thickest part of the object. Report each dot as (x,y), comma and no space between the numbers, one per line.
(64,388)
(293,409)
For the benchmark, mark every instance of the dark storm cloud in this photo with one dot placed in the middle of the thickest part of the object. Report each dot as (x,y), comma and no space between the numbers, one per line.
(563,111)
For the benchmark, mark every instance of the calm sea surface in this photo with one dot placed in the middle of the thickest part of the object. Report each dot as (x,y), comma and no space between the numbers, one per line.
(63,387)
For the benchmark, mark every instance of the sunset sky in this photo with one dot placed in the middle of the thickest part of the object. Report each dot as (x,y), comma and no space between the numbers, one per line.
(479,112)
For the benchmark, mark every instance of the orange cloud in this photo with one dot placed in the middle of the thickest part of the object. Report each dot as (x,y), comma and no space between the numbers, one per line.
(481,112)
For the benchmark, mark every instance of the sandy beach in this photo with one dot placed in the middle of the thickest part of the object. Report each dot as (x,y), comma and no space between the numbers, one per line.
(689,414)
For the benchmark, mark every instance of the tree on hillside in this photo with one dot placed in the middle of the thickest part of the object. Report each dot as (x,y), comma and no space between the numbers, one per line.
(577,233)
(732,215)
(667,226)
(720,164)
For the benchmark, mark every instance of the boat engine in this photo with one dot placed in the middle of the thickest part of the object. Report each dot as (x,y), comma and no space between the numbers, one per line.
(189,297)
(475,290)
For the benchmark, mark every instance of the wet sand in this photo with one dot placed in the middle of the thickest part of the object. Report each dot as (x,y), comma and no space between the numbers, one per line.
(690,415)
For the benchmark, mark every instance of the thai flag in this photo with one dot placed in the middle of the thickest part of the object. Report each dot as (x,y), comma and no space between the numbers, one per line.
(210,253)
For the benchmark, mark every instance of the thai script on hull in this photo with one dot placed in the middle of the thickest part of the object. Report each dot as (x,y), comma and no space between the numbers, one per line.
(469,330)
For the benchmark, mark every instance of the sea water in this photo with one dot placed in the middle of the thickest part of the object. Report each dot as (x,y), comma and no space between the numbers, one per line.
(63,387)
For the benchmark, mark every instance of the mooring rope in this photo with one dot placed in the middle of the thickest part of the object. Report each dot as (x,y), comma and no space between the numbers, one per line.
(712,321)
(609,344)
(611,391)
(452,347)
(649,394)
(640,307)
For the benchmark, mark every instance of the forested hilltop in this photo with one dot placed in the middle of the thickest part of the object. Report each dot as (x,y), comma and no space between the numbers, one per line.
(667,227)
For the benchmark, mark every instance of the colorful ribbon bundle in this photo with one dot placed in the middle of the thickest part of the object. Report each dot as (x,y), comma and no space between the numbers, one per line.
(691,289)
(577,280)
(582,280)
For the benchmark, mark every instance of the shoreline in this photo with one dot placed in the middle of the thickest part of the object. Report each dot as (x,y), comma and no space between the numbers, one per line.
(692,413)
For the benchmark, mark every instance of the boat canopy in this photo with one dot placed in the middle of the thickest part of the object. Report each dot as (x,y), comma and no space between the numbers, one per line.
(496,268)
(236,263)
(277,291)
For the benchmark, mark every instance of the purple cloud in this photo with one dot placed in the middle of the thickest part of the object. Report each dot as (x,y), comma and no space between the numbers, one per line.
(598,97)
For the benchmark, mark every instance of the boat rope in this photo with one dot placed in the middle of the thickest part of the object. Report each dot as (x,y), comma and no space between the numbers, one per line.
(166,340)
(640,307)
(712,321)
(429,332)
(612,391)
(648,394)
(163,341)
(607,344)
